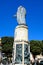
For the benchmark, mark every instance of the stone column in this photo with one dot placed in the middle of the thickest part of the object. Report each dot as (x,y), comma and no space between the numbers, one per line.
(21,46)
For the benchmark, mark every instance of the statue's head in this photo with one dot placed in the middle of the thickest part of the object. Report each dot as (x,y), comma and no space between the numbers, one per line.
(22,10)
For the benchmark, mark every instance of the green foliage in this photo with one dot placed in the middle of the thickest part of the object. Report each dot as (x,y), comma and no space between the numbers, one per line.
(35,47)
(7,45)
(42,47)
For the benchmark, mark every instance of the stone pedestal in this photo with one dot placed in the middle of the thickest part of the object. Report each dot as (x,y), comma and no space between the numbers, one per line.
(21,46)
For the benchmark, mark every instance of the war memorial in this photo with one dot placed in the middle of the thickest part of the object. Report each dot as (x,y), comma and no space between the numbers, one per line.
(21,46)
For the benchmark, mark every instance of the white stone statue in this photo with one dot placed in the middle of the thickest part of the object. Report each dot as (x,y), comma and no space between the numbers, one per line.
(21,12)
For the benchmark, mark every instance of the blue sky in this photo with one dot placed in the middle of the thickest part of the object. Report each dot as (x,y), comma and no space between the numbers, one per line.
(34,17)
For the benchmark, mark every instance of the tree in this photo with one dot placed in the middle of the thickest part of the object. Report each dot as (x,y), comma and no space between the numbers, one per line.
(42,47)
(35,47)
(7,45)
